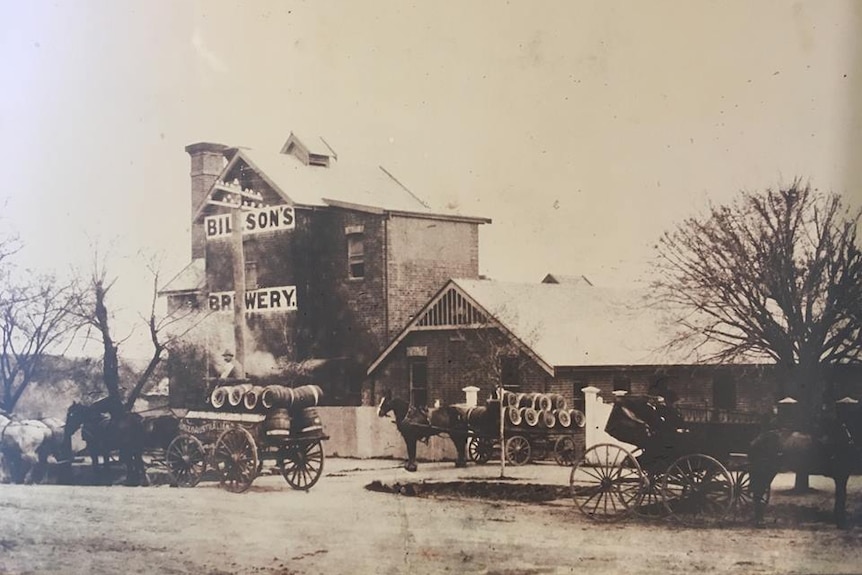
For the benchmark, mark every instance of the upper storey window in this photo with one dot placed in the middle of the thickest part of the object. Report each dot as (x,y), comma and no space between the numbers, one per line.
(355,252)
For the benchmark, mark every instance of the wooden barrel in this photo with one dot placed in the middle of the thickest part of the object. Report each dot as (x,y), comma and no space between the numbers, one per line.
(277,422)
(544,403)
(276,396)
(559,402)
(305,421)
(547,419)
(306,396)
(513,414)
(578,418)
(218,397)
(510,399)
(563,418)
(236,393)
(251,399)
(530,415)
(528,400)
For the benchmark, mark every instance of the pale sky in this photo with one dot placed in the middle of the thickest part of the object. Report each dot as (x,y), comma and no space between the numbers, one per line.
(583,129)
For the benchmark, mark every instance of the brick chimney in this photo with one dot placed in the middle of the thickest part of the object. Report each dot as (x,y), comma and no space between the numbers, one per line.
(207,162)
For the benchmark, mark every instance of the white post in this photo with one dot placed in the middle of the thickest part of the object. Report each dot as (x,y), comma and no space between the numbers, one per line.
(593,415)
(471,395)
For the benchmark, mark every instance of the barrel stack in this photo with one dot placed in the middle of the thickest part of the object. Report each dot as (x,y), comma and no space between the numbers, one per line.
(540,410)
(289,410)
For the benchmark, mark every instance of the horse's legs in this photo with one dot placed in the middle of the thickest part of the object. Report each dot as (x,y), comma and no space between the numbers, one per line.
(840,509)
(460,442)
(761,477)
(410,465)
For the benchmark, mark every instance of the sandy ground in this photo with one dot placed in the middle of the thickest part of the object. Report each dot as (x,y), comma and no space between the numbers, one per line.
(340,527)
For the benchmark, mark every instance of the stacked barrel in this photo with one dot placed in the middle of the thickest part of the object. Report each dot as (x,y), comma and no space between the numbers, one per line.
(289,410)
(540,411)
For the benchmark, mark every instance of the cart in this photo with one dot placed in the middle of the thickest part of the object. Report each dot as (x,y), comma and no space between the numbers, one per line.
(693,470)
(235,445)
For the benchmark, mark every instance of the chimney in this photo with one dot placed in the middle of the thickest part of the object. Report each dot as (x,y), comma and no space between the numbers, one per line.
(207,162)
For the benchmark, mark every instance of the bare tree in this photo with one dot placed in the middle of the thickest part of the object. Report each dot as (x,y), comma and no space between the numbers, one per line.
(774,275)
(35,317)
(777,274)
(163,331)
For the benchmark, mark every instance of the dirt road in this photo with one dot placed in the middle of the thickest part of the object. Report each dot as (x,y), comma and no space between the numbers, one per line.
(339,527)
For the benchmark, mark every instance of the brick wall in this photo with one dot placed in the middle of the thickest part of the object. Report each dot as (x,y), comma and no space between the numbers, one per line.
(423,255)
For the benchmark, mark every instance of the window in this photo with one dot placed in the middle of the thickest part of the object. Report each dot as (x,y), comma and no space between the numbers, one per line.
(418,367)
(622,383)
(723,392)
(356,255)
(510,374)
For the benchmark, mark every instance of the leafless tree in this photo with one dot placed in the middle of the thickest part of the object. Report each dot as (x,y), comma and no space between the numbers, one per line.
(163,330)
(775,275)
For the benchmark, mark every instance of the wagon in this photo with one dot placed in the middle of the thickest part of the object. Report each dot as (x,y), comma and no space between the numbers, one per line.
(234,445)
(535,425)
(693,468)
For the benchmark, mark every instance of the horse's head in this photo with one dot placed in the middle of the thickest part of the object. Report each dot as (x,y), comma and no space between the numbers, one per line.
(76,416)
(386,404)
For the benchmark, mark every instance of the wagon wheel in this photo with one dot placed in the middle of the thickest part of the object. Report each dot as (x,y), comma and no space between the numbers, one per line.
(698,490)
(743,500)
(650,504)
(303,464)
(606,482)
(480,449)
(186,460)
(517,450)
(565,451)
(235,459)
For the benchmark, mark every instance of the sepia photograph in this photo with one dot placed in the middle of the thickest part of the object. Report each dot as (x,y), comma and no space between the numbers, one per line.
(470,287)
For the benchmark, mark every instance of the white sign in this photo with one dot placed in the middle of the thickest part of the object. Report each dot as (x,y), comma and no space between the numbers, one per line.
(259,300)
(255,221)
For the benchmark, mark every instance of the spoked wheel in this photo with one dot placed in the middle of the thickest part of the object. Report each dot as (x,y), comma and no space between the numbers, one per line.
(698,490)
(480,449)
(743,499)
(650,504)
(607,482)
(186,460)
(564,451)
(303,464)
(235,459)
(518,450)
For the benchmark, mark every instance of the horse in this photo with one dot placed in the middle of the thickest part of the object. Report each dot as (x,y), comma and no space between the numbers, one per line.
(159,431)
(104,434)
(416,424)
(26,445)
(830,449)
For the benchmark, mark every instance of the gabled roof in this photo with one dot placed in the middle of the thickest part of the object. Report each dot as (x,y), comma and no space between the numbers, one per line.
(569,280)
(190,279)
(338,183)
(570,325)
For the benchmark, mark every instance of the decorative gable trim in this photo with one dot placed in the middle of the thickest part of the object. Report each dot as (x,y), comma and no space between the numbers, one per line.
(452,308)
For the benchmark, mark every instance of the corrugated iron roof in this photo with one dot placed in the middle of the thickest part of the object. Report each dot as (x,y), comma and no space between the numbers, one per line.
(584,325)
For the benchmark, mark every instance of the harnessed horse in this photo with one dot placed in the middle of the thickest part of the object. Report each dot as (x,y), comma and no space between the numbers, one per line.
(26,445)
(103,434)
(416,424)
(831,448)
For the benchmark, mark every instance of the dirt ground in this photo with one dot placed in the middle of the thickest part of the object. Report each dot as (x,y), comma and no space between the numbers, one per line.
(340,526)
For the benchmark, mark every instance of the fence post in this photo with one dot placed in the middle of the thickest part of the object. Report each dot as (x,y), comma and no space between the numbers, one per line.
(593,415)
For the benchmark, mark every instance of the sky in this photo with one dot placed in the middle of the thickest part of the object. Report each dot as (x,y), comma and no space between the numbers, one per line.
(583,129)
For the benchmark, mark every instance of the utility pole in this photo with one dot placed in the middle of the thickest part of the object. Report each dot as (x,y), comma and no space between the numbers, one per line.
(239,322)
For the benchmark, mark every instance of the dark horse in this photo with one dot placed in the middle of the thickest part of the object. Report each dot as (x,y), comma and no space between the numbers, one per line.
(416,424)
(830,449)
(103,434)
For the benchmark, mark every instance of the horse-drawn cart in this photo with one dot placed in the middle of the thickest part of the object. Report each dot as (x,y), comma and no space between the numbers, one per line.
(695,470)
(535,425)
(235,444)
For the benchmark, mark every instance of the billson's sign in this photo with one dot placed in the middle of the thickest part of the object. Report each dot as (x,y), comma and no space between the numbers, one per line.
(254,221)
(259,300)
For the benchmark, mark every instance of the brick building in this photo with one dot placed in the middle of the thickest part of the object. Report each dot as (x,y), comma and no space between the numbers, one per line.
(336,259)
(558,336)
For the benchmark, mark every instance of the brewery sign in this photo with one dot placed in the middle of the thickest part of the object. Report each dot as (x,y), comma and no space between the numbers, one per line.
(260,300)
(254,221)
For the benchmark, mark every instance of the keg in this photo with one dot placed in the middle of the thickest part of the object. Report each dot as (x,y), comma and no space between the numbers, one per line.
(513,414)
(564,419)
(305,421)
(236,393)
(218,397)
(251,399)
(277,422)
(306,396)
(276,396)
(531,416)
